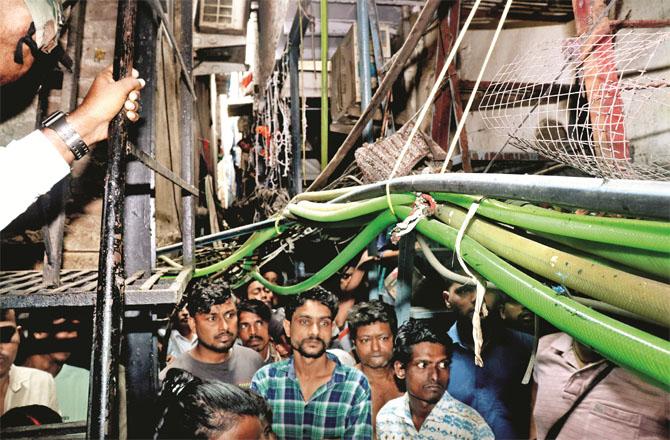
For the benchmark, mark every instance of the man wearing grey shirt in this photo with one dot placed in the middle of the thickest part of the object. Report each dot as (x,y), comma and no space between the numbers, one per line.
(215,356)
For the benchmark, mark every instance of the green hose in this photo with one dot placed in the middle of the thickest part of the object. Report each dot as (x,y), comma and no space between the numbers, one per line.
(374,228)
(656,263)
(345,211)
(636,294)
(641,234)
(322,196)
(621,343)
(253,242)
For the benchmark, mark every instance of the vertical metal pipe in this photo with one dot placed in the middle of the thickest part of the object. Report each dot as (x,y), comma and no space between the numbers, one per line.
(138,234)
(324,84)
(187,140)
(298,28)
(139,245)
(378,54)
(102,416)
(363,39)
(403,300)
(56,199)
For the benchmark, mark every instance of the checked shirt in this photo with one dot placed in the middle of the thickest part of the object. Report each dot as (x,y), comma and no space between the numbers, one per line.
(338,409)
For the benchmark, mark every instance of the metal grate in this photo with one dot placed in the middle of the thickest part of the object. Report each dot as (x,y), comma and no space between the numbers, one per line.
(26,288)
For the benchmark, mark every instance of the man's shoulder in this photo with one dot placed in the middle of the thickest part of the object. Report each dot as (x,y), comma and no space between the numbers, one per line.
(353,374)
(72,373)
(518,338)
(273,370)
(450,406)
(246,353)
(392,408)
(32,375)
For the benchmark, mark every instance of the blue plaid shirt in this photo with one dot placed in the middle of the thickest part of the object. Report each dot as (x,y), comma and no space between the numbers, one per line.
(338,409)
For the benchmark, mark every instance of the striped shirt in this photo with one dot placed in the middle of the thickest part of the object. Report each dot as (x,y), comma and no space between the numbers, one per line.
(449,419)
(338,409)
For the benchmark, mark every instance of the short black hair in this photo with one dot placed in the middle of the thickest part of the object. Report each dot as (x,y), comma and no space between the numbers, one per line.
(318,294)
(414,332)
(193,408)
(205,293)
(255,306)
(370,312)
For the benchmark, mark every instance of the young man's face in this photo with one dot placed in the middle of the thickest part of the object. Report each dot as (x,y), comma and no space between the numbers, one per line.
(63,333)
(184,319)
(517,316)
(253,331)
(9,342)
(310,329)
(217,329)
(256,290)
(271,276)
(462,299)
(374,344)
(426,375)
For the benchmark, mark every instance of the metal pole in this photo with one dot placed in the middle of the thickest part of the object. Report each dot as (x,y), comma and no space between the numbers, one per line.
(139,237)
(324,84)
(631,197)
(298,28)
(138,234)
(57,197)
(403,300)
(102,416)
(363,37)
(378,54)
(187,141)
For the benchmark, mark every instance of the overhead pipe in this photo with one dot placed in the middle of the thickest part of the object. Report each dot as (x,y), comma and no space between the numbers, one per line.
(628,197)
(108,319)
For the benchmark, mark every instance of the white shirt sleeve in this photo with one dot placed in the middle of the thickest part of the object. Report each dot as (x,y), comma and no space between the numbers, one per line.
(29,167)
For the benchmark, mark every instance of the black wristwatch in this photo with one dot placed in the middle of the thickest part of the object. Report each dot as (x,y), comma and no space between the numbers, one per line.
(67,133)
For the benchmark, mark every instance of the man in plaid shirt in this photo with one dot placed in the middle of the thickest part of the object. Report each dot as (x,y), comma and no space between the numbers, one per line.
(311,394)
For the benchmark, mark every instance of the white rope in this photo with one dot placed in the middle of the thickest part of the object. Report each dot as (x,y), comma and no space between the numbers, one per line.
(480,308)
(429,100)
(466,111)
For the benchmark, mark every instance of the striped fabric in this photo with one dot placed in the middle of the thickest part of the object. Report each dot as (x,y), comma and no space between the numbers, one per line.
(338,409)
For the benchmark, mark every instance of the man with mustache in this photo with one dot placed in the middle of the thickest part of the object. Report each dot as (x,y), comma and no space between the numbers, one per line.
(253,321)
(426,411)
(215,356)
(312,395)
(373,325)
(494,390)
(20,386)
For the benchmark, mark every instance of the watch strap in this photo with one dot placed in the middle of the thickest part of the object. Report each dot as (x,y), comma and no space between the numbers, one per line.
(57,122)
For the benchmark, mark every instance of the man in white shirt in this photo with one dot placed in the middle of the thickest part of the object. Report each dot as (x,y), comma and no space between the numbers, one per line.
(20,386)
(426,411)
(30,166)
(182,337)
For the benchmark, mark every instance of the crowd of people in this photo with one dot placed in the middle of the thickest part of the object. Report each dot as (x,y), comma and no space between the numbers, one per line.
(320,365)
(242,365)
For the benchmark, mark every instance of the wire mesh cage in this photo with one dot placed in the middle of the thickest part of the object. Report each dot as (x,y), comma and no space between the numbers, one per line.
(599,103)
